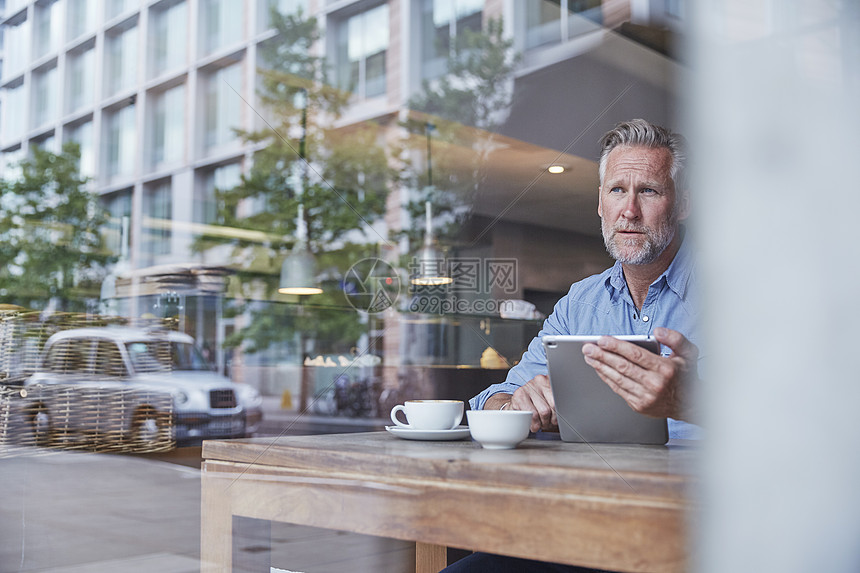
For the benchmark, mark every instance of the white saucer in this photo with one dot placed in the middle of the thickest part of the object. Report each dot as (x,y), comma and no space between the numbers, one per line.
(457,433)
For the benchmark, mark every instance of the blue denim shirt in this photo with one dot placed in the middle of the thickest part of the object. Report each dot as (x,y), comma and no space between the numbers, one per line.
(602,304)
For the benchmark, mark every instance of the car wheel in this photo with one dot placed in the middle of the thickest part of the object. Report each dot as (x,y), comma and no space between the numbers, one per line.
(148,430)
(42,426)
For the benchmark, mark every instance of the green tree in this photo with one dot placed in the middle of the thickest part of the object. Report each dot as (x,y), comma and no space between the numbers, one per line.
(51,243)
(338,175)
(463,109)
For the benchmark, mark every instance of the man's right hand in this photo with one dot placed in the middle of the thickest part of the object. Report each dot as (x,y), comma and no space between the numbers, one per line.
(536,397)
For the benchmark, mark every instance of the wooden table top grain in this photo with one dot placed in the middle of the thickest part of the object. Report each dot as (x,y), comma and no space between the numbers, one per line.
(619,507)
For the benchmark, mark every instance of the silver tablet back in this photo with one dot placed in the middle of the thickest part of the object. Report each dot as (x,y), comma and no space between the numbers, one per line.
(588,410)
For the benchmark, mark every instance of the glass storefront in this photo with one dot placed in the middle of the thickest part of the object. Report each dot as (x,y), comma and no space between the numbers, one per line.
(395,155)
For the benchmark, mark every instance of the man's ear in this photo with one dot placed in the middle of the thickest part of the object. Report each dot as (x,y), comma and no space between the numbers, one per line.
(600,202)
(684,206)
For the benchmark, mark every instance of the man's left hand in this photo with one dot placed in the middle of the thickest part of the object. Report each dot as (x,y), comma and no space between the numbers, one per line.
(651,384)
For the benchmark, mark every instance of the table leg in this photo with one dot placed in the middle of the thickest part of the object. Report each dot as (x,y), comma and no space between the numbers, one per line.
(216,527)
(430,558)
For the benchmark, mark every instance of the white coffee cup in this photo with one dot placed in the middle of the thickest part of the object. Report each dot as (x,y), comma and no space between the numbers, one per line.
(499,429)
(429,414)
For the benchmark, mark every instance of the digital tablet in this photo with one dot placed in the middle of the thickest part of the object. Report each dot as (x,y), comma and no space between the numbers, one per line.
(587,408)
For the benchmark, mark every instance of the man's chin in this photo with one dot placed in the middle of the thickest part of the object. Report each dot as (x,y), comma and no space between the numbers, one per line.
(633,255)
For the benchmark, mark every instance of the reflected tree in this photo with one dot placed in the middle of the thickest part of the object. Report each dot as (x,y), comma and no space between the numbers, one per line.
(463,109)
(51,241)
(338,175)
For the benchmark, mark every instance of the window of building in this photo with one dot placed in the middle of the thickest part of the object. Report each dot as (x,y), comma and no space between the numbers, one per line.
(157,217)
(14,5)
(15,48)
(118,231)
(46,143)
(114,8)
(221,178)
(80,17)
(168,126)
(168,38)
(222,24)
(551,22)
(120,142)
(80,76)
(82,134)
(362,47)
(47,28)
(222,107)
(9,163)
(441,21)
(264,8)
(44,96)
(14,113)
(120,61)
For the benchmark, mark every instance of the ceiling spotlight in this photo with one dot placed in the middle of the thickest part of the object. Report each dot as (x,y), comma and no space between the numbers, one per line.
(555,169)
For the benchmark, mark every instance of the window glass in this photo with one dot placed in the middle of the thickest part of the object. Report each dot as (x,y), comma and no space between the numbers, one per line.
(81,17)
(546,22)
(168,38)
(158,209)
(222,106)
(47,143)
(186,357)
(120,61)
(114,8)
(14,113)
(15,47)
(149,356)
(362,49)
(47,31)
(443,20)
(108,361)
(583,16)
(543,21)
(168,126)
(118,227)
(80,72)
(222,178)
(198,225)
(223,22)
(282,6)
(82,134)
(45,96)
(69,356)
(121,141)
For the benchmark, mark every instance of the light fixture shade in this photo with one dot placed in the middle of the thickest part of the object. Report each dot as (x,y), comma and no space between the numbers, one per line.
(298,274)
(431,271)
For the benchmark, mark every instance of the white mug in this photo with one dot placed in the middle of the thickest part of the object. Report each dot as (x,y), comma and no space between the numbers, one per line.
(429,414)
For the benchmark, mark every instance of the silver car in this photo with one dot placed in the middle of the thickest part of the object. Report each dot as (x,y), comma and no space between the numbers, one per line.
(133,386)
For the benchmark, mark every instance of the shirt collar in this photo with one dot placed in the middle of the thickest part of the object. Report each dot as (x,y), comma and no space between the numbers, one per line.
(677,276)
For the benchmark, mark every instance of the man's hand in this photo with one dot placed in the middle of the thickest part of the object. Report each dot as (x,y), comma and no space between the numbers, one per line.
(651,384)
(534,396)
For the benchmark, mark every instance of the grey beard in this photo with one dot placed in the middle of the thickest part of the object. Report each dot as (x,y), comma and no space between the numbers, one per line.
(655,243)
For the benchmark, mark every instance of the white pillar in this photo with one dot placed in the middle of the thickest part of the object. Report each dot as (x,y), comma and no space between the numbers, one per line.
(776,136)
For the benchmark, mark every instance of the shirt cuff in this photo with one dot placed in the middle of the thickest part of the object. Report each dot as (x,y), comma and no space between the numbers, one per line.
(477,403)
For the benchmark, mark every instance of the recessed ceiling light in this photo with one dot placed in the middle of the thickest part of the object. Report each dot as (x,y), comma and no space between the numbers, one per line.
(555,169)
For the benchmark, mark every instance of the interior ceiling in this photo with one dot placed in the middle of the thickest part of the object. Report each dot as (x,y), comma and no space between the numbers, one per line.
(515,185)
(519,188)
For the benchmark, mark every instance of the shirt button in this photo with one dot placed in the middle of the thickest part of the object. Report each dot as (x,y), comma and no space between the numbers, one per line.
(645,318)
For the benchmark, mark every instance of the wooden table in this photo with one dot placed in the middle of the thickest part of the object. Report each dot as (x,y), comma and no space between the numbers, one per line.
(609,506)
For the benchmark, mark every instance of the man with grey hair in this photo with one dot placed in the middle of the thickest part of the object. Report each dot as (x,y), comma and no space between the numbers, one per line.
(650,290)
